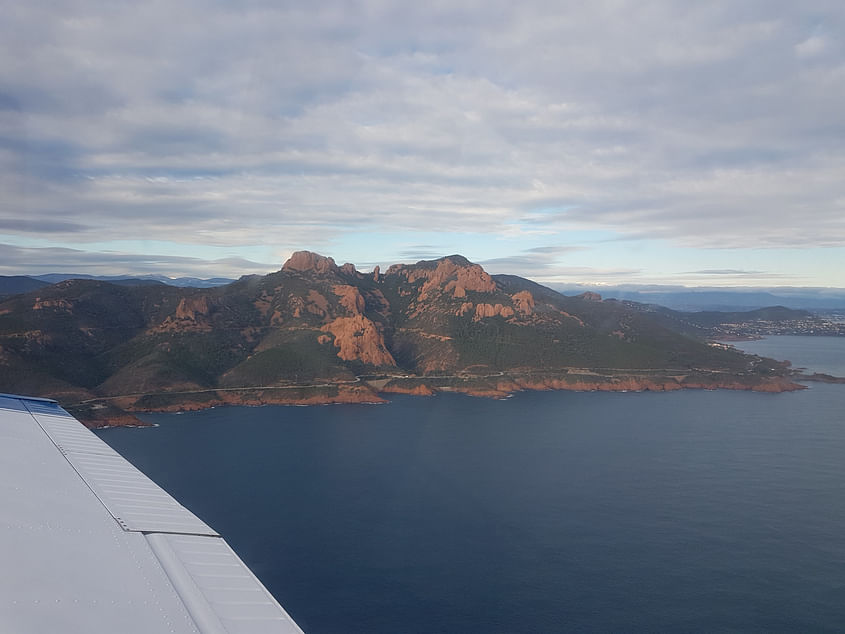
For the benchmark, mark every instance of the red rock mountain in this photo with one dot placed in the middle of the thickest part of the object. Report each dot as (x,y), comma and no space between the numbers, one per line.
(314,323)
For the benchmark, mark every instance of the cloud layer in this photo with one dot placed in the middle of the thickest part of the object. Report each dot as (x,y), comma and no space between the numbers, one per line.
(14,259)
(279,123)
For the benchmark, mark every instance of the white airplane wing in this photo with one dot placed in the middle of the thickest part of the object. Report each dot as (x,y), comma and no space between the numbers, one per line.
(89,544)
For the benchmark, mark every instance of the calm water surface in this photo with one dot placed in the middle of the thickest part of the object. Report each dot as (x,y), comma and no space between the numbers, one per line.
(686,511)
(816,354)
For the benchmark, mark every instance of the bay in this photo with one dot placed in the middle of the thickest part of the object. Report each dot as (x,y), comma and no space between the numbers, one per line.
(815,354)
(554,511)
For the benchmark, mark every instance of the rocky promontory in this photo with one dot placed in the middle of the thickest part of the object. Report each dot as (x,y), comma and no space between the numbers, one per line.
(315,332)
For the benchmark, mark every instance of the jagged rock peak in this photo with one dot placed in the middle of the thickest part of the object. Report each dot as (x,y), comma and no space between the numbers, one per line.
(453,261)
(453,274)
(457,260)
(308,261)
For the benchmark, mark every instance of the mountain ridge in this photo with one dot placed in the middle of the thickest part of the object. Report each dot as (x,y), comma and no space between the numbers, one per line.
(310,331)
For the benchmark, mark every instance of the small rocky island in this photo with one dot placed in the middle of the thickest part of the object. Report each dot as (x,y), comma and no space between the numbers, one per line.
(315,332)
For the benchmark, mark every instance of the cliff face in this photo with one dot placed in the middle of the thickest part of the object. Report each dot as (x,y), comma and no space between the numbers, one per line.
(489,310)
(359,339)
(350,298)
(191,315)
(524,302)
(314,323)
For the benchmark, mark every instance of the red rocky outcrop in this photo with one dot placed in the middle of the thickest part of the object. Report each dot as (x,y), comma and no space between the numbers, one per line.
(192,314)
(359,339)
(523,301)
(490,310)
(451,275)
(305,261)
(350,298)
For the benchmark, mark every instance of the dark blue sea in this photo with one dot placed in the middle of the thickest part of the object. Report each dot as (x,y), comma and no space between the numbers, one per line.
(686,511)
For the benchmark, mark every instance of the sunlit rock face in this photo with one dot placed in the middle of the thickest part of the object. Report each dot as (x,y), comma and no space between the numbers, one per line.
(453,274)
(360,339)
(308,261)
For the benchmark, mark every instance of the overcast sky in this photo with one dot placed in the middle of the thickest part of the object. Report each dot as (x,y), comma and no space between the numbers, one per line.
(594,142)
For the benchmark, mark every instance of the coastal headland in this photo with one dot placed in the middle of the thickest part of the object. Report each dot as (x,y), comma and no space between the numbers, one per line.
(317,333)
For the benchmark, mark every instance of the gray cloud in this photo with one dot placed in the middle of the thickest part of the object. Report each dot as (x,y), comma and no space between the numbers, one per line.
(546,263)
(724,272)
(709,125)
(741,274)
(15,260)
(418,252)
(554,250)
(50,226)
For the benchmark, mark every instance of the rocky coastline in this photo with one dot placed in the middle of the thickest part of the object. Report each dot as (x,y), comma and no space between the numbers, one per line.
(121,411)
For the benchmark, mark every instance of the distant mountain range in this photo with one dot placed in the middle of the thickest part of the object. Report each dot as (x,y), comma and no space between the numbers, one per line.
(10,285)
(719,299)
(315,332)
(13,284)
